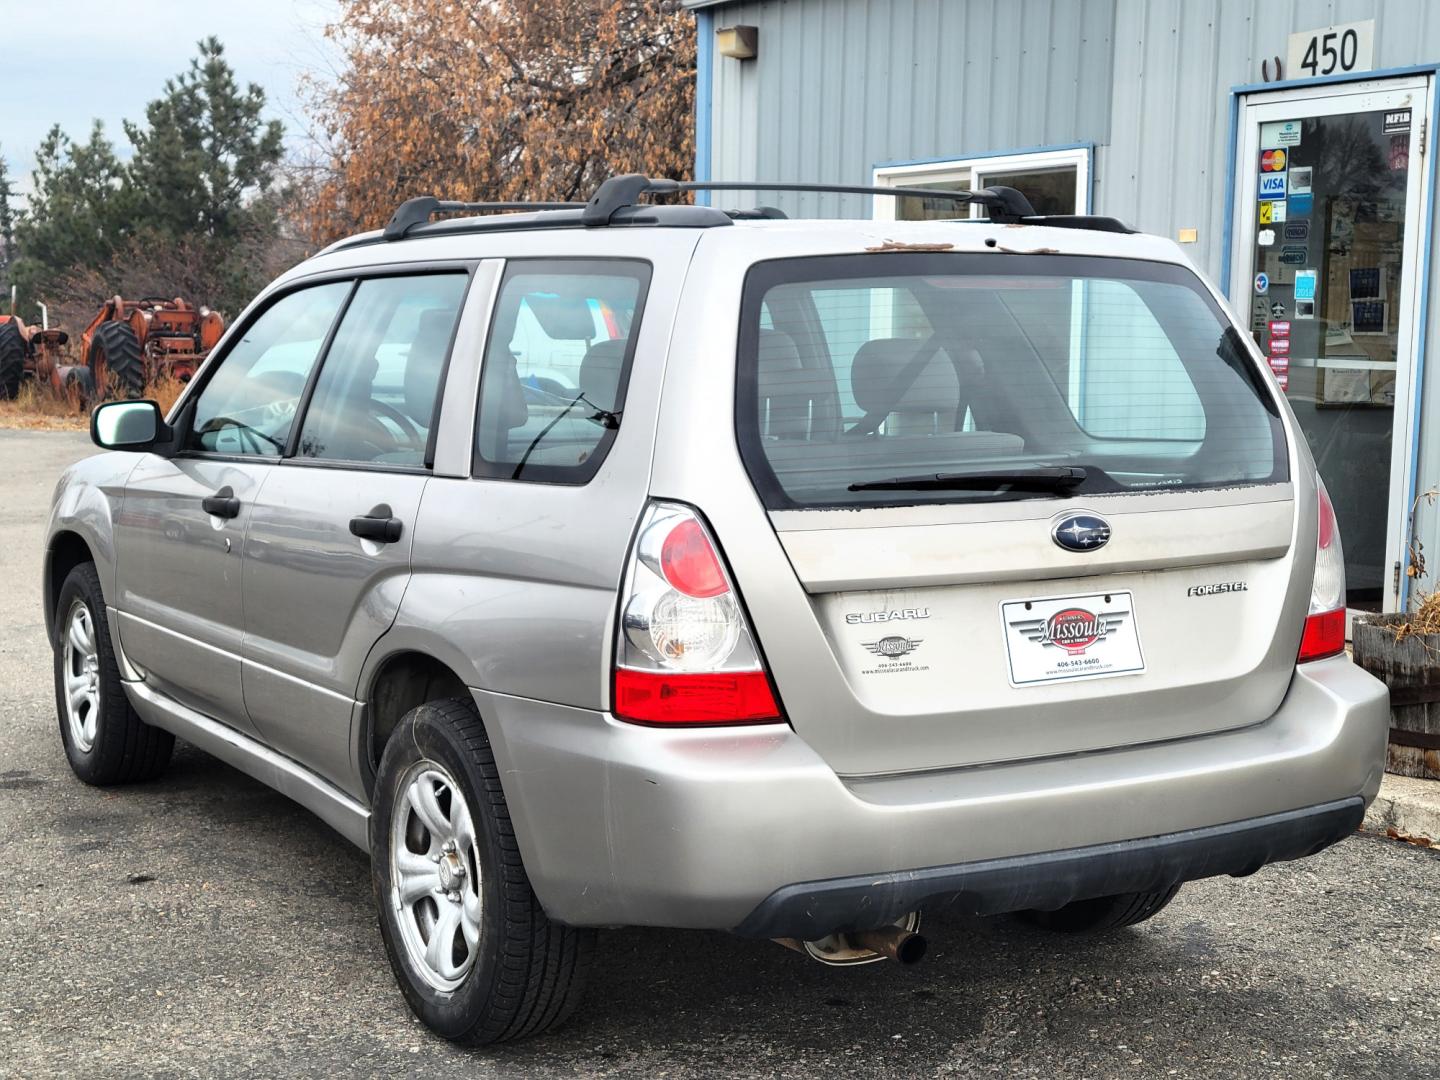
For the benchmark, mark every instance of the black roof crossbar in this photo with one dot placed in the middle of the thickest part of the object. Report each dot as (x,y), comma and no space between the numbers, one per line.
(1006,205)
(419,211)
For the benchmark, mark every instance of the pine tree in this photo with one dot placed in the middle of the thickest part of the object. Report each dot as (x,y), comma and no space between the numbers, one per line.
(78,207)
(204,153)
(7,223)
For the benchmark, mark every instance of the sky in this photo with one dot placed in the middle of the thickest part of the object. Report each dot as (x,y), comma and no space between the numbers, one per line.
(72,61)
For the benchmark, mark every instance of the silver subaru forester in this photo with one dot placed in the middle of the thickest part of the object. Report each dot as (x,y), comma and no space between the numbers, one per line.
(645,563)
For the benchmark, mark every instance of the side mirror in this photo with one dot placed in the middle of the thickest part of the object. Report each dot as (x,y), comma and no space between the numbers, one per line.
(128,425)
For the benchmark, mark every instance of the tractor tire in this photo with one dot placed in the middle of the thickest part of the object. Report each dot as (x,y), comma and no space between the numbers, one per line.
(12,359)
(117,365)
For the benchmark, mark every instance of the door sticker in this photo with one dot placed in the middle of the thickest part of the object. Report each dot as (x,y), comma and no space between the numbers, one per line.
(1272,185)
(1262,283)
(1058,639)
(1280,133)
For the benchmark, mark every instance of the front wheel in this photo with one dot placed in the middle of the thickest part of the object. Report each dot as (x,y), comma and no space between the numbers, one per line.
(1103,912)
(105,740)
(475,955)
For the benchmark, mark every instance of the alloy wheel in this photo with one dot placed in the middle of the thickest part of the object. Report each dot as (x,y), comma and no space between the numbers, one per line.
(435,875)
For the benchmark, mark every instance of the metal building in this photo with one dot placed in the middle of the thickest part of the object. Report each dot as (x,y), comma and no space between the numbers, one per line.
(1283,143)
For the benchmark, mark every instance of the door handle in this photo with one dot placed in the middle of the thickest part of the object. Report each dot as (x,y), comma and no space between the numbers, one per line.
(222,504)
(379,525)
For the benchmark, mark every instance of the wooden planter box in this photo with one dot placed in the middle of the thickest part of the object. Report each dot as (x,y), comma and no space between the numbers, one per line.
(1411,668)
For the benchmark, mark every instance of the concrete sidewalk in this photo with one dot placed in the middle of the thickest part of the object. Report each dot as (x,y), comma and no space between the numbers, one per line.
(1409,806)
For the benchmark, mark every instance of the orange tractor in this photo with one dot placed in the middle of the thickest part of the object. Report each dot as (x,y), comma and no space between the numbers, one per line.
(131,343)
(34,352)
(128,344)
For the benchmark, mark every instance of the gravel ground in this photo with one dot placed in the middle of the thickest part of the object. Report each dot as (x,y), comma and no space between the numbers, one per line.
(203,926)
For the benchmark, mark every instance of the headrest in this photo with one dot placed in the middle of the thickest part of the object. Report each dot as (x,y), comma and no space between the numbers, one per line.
(785,387)
(424,363)
(878,363)
(777,353)
(600,372)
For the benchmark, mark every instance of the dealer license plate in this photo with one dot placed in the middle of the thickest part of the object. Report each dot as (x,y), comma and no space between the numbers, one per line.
(1060,638)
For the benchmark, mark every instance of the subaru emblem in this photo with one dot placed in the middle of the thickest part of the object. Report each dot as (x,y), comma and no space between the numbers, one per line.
(1081,532)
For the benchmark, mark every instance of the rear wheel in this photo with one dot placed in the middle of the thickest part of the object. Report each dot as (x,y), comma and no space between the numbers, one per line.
(1103,912)
(117,364)
(105,740)
(475,955)
(12,359)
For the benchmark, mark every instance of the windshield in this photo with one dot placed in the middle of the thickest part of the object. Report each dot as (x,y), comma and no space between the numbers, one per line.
(891,379)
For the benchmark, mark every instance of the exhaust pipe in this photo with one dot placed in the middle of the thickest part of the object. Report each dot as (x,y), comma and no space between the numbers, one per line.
(899,942)
(903,946)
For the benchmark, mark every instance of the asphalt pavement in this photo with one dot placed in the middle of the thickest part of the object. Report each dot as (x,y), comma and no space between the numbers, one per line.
(204,926)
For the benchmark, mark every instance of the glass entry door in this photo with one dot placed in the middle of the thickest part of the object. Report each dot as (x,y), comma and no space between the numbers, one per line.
(1329,183)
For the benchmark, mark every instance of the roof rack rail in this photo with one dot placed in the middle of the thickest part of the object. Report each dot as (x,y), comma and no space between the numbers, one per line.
(1006,205)
(419,211)
(617,201)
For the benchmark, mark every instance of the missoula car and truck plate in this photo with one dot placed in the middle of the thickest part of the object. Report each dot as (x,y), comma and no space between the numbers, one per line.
(1071,637)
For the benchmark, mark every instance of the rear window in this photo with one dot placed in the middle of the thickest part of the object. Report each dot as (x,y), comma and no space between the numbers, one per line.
(893,379)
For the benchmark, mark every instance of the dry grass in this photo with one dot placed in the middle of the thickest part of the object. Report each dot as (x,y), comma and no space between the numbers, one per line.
(35,408)
(1424,620)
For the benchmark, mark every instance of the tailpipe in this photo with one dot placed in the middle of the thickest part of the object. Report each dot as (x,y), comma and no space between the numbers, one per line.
(900,942)
(903,946)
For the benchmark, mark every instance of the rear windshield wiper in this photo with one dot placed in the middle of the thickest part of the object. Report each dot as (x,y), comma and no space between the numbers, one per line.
(1060,479)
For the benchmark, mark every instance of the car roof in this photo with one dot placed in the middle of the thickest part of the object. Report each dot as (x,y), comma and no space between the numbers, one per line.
(757,239)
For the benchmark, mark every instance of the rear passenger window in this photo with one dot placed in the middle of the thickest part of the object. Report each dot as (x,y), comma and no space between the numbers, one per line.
(552,389)
(375,400)
(248,405)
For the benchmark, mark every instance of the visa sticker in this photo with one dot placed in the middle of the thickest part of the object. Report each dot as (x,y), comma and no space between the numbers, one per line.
(1272,185)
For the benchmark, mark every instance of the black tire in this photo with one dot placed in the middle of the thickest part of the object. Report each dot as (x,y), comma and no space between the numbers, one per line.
(527,973)
(1102,913)
(123,749)
(12,359)
(116,361)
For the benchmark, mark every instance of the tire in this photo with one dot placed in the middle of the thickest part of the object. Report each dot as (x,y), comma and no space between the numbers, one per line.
(1102,913)
(12,359)
(105,740)
(522,974)
(116,361)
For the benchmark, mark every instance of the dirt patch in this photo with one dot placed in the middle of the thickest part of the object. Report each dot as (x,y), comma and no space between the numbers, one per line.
(36,409)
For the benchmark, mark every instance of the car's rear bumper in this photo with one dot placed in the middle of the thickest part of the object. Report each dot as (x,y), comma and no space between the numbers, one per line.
(1052,879)
(748,829)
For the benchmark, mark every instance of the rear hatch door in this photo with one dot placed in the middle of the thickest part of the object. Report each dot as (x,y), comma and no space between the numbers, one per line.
(1034,506)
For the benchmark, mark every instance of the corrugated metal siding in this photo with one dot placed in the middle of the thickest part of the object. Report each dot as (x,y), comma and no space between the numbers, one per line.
(842,85)
(1163,167)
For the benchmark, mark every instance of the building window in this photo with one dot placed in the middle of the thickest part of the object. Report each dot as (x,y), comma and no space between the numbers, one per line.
(1055,182)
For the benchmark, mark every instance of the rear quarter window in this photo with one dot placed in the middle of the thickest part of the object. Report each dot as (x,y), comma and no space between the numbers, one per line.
(556,367)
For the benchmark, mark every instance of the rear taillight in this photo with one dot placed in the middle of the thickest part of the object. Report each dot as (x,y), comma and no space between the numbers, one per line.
(685,653)
(1325,624)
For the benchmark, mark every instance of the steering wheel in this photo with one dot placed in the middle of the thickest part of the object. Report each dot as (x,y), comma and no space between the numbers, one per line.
(408,428)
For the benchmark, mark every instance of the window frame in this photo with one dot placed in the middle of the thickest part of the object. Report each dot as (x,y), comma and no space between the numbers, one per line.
(482,468)
(183,410)
(897,174)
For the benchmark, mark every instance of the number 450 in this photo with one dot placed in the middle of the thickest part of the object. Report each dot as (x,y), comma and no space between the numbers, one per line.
(1342,59)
